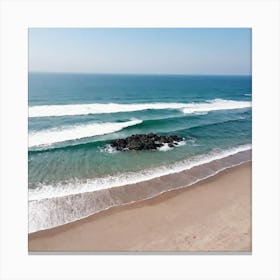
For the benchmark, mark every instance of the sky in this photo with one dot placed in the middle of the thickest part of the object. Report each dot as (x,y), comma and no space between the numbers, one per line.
(209,51)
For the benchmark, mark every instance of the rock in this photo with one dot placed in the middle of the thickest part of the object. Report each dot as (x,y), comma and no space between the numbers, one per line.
(149,141)
(135,144)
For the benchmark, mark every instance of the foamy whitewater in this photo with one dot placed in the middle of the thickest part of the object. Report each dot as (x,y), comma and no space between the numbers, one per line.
(85,109)
(73,171)
(50,136)
(43,212)
(69,188)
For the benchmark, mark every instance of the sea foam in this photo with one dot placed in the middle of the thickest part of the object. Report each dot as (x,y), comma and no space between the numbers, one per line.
(81,186)
(215,105)
(103,108)
(51,136)
(55,211)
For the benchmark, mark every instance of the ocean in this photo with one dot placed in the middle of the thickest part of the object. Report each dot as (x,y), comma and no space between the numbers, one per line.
(73,118)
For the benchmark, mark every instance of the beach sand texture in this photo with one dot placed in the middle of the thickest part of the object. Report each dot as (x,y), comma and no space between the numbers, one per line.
(213,215)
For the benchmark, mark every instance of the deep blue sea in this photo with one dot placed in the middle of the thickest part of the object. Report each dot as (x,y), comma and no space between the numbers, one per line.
(73,117)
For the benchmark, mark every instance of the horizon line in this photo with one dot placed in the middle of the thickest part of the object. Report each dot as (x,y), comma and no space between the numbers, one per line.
(142,74)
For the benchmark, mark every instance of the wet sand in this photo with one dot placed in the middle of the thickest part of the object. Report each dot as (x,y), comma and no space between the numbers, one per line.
(213,215)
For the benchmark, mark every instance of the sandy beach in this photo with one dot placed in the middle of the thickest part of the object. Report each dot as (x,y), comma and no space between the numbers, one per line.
(213,215)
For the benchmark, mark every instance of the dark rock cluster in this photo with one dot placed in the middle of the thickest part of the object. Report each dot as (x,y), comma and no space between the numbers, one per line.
(149,141)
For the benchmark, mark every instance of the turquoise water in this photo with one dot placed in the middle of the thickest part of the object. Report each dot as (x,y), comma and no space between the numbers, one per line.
(72,118)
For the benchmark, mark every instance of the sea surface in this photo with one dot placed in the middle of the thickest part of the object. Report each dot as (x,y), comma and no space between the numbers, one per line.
(73,117)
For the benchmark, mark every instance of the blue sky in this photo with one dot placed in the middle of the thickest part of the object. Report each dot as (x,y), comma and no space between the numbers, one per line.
(214,51)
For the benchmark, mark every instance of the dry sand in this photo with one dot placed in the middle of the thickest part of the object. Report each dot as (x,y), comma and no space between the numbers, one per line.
(213,215)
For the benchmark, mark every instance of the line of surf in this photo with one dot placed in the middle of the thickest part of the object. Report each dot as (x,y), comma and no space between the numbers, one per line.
(106,108)
(142,125)
(215,105)
(51,136)
(44,191)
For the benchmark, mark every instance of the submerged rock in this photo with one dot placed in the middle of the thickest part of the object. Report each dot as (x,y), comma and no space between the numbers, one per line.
(149,141)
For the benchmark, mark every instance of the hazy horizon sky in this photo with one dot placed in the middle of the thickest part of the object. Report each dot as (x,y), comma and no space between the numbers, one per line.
(211,51)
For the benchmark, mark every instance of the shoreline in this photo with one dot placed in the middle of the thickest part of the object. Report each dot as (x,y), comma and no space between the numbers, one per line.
(228,157)
(56,211)
(160,224)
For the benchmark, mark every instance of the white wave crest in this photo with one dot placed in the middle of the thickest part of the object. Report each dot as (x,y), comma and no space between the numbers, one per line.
(78,186)
(85,109)
(48,137)
(201,113)
(215,105)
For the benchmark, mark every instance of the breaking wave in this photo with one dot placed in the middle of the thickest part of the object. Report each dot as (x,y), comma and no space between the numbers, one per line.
(50,207)
(215,105)
(106,108)
(51,136)
(88,185)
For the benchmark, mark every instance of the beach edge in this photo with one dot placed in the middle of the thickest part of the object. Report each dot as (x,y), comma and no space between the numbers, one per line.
(234,182)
